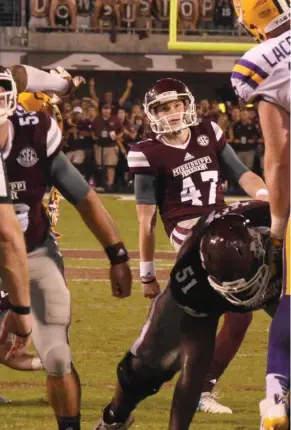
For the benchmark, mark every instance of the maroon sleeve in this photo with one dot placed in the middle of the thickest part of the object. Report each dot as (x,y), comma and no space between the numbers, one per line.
(140,161)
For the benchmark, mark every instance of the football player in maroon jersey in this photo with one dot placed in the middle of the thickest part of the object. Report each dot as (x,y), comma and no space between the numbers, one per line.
(225,265)
(31,145)
(179,171)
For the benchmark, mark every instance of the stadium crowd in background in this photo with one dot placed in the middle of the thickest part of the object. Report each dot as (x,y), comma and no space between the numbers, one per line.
(126,16)
(99,130)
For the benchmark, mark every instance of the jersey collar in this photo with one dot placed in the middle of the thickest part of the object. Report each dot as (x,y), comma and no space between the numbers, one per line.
(182,146)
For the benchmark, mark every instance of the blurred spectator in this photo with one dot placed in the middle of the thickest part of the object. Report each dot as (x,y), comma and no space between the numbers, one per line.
(144,18)
(234,115)
(63,14)
(39,11)
(161,12)
(66,107)
(206,17)
(128,13)
(188,15)
(85,103)
(224,124)
(76,139)
(108,96)
(206,113)
(107,17)
(224,15)
(108,131)
(85,10)
(137,108)
(244,137)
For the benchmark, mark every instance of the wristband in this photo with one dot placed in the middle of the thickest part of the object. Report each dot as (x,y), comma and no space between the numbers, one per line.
(278,226)
(117,253)
(149,281)
(262,192)
(147,268)
(20,310)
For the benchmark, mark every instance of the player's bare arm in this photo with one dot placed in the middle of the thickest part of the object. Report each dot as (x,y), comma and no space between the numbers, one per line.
(75,189)
(251,183)
(146,207)
(13,262)
(276,134)
(254,186)
(146,215)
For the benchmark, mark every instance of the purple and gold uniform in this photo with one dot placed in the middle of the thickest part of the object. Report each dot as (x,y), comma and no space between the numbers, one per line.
(188,179)
(287,256)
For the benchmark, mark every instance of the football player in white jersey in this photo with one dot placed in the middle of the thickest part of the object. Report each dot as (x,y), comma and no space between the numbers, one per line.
(263,75)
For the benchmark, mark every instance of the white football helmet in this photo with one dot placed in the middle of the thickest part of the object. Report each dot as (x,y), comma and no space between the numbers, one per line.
(8,94)
(167,90)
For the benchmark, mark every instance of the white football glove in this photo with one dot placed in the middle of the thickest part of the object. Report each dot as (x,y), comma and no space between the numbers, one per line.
(74,82)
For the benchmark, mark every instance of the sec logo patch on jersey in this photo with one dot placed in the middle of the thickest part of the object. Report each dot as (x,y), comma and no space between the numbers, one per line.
(27,157)
(203,140)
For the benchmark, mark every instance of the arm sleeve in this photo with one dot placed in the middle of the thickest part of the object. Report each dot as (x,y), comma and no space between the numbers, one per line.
(145,189)
(230,163)
(66,178)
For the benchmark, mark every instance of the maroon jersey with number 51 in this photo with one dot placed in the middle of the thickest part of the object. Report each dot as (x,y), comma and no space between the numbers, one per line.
(188,177)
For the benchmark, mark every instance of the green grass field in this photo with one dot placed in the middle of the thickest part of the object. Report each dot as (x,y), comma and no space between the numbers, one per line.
(103,328)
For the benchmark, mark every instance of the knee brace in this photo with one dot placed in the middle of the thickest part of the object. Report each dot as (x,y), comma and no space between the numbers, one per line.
(57,361)
(139,380)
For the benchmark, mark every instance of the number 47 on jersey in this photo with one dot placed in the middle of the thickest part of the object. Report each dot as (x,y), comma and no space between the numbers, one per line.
(190,192)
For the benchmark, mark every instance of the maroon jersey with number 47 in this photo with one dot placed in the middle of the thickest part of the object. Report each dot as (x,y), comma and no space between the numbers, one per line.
(34,138)
(188,178)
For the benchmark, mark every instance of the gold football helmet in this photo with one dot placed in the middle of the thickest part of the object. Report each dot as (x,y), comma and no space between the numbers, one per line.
(259,17)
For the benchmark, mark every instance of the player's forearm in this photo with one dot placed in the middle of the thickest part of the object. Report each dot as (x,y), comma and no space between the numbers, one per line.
(278,183)
(147,243)
(253,185)
(147,222)
(275,123)
(13,259)
(98,219)
(29,78)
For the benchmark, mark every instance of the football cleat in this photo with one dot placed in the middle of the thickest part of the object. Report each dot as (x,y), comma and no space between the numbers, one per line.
(209,405)
(274,415)
(115,426)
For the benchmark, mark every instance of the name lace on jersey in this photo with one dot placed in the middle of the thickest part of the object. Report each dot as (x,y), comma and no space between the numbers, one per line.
(194,166)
